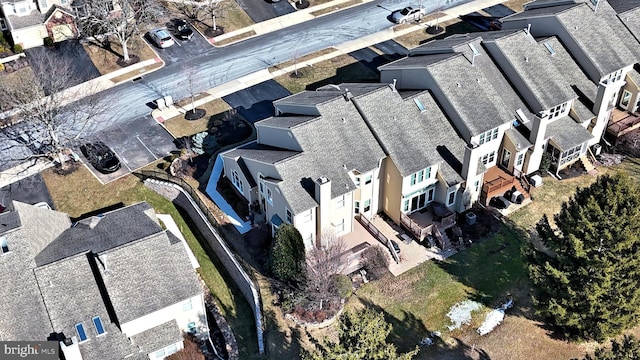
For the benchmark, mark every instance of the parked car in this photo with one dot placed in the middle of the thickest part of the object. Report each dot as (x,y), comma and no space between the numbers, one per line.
(408,14)
(101,157)
(182,30)
(161,37)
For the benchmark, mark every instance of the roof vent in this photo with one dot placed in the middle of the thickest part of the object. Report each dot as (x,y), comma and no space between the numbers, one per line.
(347,94)
(344,166)
(526,59)
(459,85)
(393,85)
(528,29)
(344,120)
(477,80)
(323,180)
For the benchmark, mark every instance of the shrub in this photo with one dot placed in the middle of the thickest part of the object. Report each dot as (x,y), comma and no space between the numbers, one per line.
(342,285)
(17,48)
(375,262)
(217,123)
(1,67)
(48,41)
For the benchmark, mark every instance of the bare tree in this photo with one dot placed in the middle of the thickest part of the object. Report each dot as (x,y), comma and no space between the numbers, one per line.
(203,10)
(42,113)
(323,263)
(190,82)
(121,19)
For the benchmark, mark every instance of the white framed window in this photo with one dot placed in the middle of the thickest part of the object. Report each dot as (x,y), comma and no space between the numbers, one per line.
(520,159)
(22,10)
(625,99)
(421,176)
(191,328)
(488,136)
(451,198)
(414,178)
(367,179)
(339,227)
(4,245)
(340,202)
(289,216)
(187,305)
(3,24)
(261,183)
(357,180)
(476,184)
(405,206)
(367,205)
(269,196)
(488,158)
(235,179)
(356,207)
(158,354)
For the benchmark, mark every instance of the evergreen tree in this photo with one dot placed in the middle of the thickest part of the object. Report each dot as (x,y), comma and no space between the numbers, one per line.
(362,335)
(288,256)
(589,281)
(628,349)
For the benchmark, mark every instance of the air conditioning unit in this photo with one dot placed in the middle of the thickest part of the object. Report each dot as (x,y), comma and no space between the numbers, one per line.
(597,149)
(536,181)
(517,197)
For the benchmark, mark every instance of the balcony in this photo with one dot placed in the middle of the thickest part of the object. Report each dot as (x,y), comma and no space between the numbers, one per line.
(497,182)
(432,220)
(622,122)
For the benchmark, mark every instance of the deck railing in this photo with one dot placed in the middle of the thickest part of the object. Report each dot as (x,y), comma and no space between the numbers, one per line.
(373,230)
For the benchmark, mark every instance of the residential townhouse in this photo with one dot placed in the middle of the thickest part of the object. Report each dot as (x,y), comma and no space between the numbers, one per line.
(112,286)
(478,100)
(314,165)
(597,40)
(28,22)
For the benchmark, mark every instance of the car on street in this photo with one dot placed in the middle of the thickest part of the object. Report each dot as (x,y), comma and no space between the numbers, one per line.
(182,30)
(408,14)
(101,157)
(161,38)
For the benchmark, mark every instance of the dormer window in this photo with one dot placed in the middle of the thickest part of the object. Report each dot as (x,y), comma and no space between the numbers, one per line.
(4,245)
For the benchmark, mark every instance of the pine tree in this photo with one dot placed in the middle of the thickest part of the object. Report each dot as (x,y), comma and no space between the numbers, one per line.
(589,282)
(288,256)
(362,335)
(629,348)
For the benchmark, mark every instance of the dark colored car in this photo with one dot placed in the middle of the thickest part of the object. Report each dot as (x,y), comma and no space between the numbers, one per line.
(101,157)
(183,30)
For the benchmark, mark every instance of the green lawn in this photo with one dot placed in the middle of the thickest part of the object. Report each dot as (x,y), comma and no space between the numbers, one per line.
(80,193)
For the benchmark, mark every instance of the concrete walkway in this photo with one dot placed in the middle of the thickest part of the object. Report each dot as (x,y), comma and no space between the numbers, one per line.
(242,226)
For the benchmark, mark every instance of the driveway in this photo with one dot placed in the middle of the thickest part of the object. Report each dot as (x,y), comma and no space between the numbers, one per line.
(183,49)
(255,103)
(261,10)
(68,52)
(30,190)
(391,50)
(136,143)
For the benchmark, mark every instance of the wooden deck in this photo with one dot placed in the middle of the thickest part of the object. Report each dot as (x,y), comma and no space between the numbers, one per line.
(622,122)
(497,182)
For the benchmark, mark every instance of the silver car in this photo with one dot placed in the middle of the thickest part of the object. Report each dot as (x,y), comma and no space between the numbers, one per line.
(408,14)
(161,37)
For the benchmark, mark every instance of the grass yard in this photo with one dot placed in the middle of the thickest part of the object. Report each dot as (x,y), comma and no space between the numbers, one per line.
(80,193)
(105,60)
(343,68)
(178,126)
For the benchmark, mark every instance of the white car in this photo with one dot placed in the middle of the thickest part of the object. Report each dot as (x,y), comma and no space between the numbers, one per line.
(408,14)
(161,37)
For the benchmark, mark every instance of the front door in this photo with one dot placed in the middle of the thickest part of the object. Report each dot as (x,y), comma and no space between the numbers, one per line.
(506,157)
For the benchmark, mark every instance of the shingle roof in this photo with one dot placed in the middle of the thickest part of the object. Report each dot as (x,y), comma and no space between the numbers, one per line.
(326,94)
(19,287)
(598,33)
(533,66)
(414,139)
(9,220)
(20,22)
(286,121)
(631,19)
(622,6)
(567,133)
(517,139)
(635,76)
(258,152)
(147,275)
(158,337)
(100,233)
(582,111)
(570,70)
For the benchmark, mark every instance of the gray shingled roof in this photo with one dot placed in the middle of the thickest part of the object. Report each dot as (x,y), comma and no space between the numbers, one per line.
(9,220)
(599,34)
(413,139)
(100,233)
(158,337)
(517,139)
(582,111)
(635,76)
(631,19)
(147,275)
(286,121)
(419,61)
(39,227)
(325,94)
(622,6)
(20,22)
(533,65)
(258,152)
(445,45)
(567,133)
(570,70)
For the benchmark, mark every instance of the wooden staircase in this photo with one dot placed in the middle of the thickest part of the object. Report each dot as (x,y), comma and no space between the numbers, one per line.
(587,165)
(442,239)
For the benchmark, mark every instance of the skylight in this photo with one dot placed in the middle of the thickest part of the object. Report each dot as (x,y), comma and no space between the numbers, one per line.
(475,51)
(549,48)
(81,333)
(419,105)
(98,323)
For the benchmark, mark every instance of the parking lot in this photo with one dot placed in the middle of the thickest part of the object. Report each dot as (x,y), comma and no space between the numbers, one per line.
(136,144)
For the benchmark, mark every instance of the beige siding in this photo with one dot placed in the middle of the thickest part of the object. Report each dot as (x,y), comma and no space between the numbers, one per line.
(391,189)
